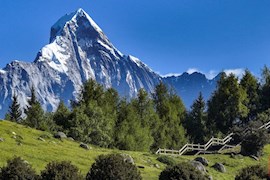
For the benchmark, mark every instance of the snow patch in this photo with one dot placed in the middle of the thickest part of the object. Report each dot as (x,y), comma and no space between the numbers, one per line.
(55,56)
(110,49)
(80,12)
(170,75)
(136,60)
(192,70)
(2,71)
(211,74)
(237,72)
(72,17)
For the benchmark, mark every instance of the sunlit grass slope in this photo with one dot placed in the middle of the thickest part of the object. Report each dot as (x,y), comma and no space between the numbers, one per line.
(39,153)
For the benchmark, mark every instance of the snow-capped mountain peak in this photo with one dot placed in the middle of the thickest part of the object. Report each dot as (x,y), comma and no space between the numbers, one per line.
(78,51)
(72,21)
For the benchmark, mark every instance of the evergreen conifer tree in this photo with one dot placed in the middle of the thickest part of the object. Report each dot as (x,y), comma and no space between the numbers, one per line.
(34,112)
(61,117)
(251,87)
(196,120)
(171,112)
(15,113)
(130,134)
(265,89)
(226,107)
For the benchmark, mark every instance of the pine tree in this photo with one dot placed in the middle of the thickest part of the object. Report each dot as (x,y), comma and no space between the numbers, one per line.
(171,112)
(90,125)
(15,112)
(93,117)
(226,107)
(129,132)
(195,123)
(92,91)
(265,89)
(34,112)
(33,99)
(145,109)
(251,87)
(61,117)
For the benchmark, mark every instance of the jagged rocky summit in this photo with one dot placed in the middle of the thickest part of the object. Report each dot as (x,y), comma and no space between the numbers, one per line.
(79,50)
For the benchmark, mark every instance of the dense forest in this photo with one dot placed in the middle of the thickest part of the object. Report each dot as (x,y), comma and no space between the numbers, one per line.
(151,121)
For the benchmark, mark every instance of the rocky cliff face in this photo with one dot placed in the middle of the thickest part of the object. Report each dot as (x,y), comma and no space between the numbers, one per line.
(79,50)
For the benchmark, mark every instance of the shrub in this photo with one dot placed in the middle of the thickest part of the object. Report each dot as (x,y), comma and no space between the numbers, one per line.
(113,166)
(253,143)
(19,169)
(182,171)
(61,171)
(166,160)
(252,173)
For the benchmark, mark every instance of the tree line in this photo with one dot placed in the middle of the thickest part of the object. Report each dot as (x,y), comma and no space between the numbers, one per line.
(151,121)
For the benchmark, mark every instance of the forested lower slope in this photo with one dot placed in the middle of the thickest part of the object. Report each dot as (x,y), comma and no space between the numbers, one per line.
(28,143)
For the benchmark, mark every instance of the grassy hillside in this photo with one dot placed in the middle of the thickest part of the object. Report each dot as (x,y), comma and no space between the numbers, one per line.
(39,153)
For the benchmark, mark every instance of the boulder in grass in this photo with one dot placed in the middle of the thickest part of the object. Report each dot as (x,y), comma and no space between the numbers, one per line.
(199,166)
(254,158)
(41,139)
(128,158)
(60,135)
(202,160)
(2,140)
(219,167)
(71,139)
(85,146)
(26,162)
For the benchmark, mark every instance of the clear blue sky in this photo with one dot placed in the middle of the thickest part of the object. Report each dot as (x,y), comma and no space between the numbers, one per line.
(170,36)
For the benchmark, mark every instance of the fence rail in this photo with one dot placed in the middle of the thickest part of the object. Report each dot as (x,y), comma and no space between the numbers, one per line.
(196,147)
(203,148)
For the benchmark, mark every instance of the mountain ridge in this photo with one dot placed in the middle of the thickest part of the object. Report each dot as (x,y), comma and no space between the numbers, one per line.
(79,50)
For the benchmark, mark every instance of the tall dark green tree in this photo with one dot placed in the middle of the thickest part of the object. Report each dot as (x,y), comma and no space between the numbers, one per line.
(93,117)
(34,112)
(149,119)
(226,107)
(144,107)
(61,117)
(92,91)
(171,112)
(196,121)
(250,85)
(130,134)
(265,89)
(15,113)
(89,124)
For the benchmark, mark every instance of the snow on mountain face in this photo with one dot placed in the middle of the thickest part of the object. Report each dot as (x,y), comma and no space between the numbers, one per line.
(79,50)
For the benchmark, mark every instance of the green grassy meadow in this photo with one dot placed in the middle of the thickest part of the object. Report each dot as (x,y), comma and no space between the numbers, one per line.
(39,153)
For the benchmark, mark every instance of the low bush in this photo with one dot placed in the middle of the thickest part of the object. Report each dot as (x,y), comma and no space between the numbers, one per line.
(183,171)
(61,171)
(166,160)
(254,142)
(252,173)
(18,169)
(113,166)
